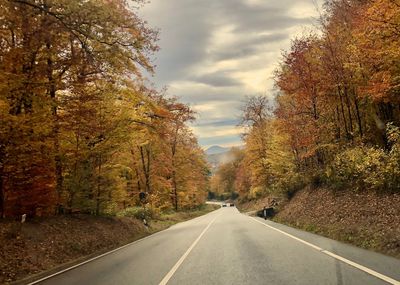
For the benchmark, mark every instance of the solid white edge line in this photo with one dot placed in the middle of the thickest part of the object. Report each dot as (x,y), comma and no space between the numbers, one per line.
(338,257)
(363,268)
(169,275)
(94,258)
(289,235)
(106,253)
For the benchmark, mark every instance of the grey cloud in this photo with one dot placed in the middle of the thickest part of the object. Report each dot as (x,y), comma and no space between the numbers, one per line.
(216,79)
(247,46)
(231,139)
(271,15)
(234,53)
(187,29)
(184,34)
(264,39)
(218,123)
(210,95)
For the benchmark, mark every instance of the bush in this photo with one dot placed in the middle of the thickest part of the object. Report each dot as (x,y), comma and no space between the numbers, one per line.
(136,212)
(392,167)
(289,184)
(256,192)
(354,167)
(372,168)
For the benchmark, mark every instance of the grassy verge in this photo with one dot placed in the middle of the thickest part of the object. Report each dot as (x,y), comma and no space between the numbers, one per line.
(165,220)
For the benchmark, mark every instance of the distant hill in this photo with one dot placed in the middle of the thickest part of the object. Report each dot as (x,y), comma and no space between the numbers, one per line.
(217,155)
(216,149)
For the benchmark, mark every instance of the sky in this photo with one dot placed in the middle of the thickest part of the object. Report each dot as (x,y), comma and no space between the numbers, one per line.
(214,53)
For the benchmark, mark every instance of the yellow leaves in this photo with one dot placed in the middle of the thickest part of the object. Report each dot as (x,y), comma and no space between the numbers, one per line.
(67,98)
(364,168)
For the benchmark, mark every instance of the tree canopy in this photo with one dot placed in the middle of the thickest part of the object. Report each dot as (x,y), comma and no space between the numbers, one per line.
(336,116)
(79,129)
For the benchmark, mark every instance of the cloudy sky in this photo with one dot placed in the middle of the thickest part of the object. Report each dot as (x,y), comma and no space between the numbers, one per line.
(215,52)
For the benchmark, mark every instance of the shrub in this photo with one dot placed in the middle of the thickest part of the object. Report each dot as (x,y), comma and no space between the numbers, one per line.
(392,167)
(368,167)
(256,192)
(136,212)
(358,168)
(289,184)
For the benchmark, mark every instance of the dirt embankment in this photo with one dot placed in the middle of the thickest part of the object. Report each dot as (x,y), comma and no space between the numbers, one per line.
(53,243)
(252,206)
(368,220)
(41,244)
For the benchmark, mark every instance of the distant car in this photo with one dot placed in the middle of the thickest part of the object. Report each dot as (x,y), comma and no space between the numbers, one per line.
(232,205)
(223,205)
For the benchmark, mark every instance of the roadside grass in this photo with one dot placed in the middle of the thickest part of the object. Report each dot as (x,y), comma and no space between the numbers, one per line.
(167,219)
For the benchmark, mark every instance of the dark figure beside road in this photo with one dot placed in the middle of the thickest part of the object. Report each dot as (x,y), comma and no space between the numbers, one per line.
(266,213)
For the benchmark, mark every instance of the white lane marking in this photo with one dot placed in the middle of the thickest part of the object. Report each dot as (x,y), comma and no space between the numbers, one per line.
(183,257)
(106,253)
(363,268)
(289,235)
(345,260)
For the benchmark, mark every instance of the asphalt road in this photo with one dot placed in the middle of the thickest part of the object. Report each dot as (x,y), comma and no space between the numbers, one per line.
(226,247)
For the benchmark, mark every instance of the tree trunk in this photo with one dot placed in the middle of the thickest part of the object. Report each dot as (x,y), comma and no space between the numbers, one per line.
(348,104)
(2,190)
(338,123)
(359,121)
(174,183)
(343,113)
(98,193)
(146,168)
(2,200)
(56,128)
(175,186)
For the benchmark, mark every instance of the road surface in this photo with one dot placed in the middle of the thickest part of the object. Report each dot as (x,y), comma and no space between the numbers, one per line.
(227,247)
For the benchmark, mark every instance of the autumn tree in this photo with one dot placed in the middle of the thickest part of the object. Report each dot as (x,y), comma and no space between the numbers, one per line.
(53,51)
(223,180)
(180,115)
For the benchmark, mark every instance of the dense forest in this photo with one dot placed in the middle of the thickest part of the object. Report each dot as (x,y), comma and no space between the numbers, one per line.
(82,131)
(79,129)
(336,115)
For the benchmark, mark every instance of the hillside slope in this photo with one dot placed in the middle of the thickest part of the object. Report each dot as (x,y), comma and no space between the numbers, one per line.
(368,220)
(52,243)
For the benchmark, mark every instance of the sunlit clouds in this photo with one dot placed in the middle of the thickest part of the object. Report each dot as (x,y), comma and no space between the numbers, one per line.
(214,53)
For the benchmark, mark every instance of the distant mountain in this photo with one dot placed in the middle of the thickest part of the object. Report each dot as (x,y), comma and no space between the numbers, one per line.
(216,149)
(217,159)
(217,155)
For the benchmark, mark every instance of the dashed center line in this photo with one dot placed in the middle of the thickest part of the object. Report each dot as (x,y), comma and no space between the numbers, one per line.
(180,261)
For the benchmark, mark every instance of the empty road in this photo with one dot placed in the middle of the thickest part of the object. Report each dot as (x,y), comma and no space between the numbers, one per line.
(227,247)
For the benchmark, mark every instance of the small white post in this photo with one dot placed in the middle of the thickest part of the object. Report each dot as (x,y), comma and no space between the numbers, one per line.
(23,218)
